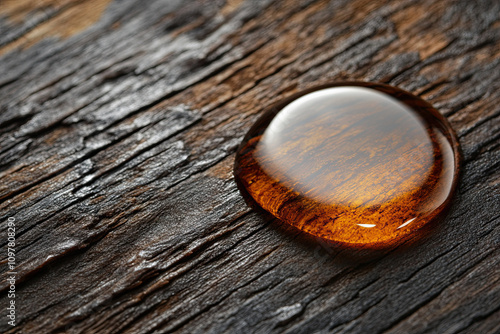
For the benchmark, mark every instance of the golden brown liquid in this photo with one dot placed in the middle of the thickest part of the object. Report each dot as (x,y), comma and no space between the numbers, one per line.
(355,163)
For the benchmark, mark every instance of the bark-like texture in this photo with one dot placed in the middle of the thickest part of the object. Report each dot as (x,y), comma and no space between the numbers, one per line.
(116,152)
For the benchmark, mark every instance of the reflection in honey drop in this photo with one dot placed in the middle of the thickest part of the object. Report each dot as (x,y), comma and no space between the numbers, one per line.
(356,163)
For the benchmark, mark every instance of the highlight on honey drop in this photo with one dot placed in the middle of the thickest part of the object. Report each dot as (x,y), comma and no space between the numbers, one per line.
(360,164)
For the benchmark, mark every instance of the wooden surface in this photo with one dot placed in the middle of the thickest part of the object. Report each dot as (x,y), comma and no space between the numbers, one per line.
(119,126)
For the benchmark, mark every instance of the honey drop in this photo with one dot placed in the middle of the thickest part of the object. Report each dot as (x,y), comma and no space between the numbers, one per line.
(360,164)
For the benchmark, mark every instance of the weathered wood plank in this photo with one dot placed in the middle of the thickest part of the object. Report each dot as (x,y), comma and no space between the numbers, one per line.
(117,146)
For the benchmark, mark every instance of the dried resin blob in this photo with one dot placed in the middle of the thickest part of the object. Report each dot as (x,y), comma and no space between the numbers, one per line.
(356,163)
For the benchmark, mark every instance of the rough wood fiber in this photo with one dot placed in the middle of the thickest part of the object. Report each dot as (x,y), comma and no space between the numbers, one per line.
(117,146)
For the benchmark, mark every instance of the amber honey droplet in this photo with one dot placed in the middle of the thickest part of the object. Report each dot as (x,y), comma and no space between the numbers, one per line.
(361,164)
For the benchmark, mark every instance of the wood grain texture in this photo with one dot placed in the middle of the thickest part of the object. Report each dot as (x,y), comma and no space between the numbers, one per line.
(116,156)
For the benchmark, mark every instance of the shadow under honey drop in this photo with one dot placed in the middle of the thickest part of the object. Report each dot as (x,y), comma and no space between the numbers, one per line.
(360,164)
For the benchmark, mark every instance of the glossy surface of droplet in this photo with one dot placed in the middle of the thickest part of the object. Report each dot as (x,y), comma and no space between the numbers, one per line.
(361,164)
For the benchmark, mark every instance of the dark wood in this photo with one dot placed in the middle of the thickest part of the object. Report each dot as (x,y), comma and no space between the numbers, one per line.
(116,153)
